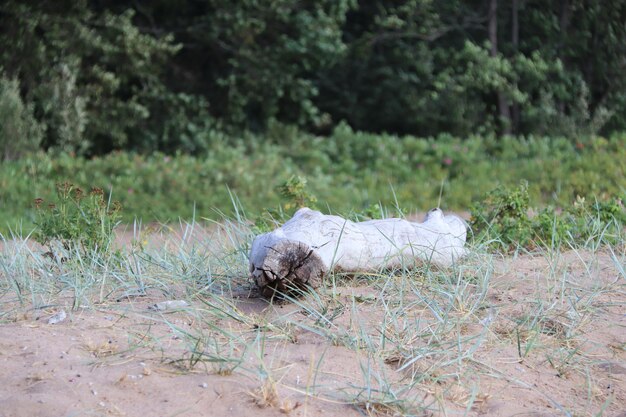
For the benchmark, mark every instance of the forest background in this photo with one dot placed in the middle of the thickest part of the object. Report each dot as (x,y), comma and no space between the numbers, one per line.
(183,107)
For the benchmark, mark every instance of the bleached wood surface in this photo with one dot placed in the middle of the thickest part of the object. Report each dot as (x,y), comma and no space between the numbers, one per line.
(311,244)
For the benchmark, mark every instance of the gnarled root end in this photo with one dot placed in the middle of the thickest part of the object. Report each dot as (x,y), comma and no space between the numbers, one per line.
(288,265)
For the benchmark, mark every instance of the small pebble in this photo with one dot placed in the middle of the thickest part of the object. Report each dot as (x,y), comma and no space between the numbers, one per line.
(169,305)
(58,317)
(204,385)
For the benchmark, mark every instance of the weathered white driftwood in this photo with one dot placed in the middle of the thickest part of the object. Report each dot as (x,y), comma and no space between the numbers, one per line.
(311,244)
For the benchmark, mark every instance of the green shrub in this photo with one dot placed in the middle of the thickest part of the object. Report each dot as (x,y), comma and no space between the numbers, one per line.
(504,220)
(76,220)
(503,216)
(295,191)
(347,172)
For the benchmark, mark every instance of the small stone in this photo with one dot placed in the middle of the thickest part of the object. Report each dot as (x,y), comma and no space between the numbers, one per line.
(57,317)
(169,305)
(204,385)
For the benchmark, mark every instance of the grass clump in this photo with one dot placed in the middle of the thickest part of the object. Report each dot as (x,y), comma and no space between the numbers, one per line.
(505,220)
(77,220)
(413,341)
(295,193)
(416,340)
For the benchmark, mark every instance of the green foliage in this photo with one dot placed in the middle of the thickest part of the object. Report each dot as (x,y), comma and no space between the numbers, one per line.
(19,131)
(504,220)
(295,191)
(94,80)
(373,211)
(348,172)
(266,54)
(76,220)
(171,76)
(423,67)
(295,195)
(588,220)
(503,215)
(65,111)
(549,227)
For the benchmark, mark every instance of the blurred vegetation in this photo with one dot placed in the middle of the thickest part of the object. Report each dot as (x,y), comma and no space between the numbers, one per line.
(93,76)
(346,171)
(77,220)
(504,220)
(176,106)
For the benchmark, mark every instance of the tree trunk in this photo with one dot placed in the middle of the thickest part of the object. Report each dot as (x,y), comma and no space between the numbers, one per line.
(503,107)
(306,248)
(515,112)
(564,18)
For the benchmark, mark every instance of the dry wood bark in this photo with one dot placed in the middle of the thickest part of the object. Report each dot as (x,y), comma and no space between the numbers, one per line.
(306,248)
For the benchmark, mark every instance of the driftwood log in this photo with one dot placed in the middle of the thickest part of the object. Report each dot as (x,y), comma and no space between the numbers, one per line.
(307,247)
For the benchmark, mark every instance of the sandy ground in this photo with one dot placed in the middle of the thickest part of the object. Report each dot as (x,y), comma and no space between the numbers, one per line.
(125,359)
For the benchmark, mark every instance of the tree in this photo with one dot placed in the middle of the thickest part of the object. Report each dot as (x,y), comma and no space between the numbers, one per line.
(253,60)
(93,79)
(19,131)
(98,75)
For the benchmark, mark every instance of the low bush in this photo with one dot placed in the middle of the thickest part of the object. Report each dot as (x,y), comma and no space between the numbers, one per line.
(347,172)
(76,219)
(504,220)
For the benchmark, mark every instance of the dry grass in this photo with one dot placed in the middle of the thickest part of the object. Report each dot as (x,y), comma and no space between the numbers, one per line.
(533,332)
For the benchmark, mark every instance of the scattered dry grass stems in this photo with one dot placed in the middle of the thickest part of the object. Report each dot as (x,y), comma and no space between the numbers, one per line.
(267,395)
(423,331)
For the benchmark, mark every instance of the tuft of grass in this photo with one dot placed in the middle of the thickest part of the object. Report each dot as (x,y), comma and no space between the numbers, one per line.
(504,220)
(412,341)
(76,220)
